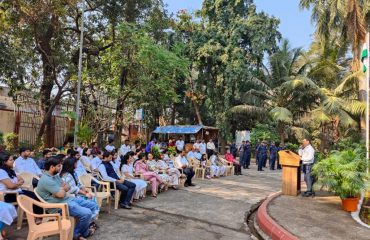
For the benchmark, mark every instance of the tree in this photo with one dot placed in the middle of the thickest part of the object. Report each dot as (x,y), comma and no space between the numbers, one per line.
(228,47)
(283,90)
(348,20)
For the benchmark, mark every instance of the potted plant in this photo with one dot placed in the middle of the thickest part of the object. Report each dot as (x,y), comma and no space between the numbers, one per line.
(344,174)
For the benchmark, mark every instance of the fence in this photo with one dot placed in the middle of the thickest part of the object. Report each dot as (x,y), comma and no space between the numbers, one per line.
(27,125)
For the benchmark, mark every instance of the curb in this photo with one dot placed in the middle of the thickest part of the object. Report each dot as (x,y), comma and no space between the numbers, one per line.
(269,226)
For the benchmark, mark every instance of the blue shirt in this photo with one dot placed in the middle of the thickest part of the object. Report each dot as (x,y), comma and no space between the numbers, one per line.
(273,150)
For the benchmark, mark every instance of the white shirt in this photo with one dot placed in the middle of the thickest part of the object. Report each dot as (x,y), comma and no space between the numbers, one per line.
(202,148)
(213,160)
(196,145)
(80,150)
(124,149)
(116,163)
(181,161)
(85,160)
(129,169)
(26,165)
(4,175)
(110,148)
(307,154)
(211,146)
(95,162)
(180,145)
(104,174)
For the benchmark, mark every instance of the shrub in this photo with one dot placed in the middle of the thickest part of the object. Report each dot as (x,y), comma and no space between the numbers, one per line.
(172,151)
(156,152)
(9,141)
(342,173)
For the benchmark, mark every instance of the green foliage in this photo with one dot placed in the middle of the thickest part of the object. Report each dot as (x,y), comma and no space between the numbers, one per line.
(263,132)
(1,138)
(85,133)
(172,151)
(292,147)
(156,152)
(9,140)
(343,173)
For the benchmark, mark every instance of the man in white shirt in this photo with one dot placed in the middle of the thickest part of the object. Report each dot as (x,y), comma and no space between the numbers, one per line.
(109,174)
(194,154)
(110,147)
(307,154)
(81,148)
(96,161)
(26,164)
(197,144)
(125,148)
(203,147)
(180,144)
(210,147)
(183,165)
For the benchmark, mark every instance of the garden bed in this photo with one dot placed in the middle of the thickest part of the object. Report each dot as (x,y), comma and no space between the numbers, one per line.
(365,211)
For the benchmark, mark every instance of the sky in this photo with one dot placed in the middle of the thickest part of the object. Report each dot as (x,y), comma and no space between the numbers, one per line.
(295,24)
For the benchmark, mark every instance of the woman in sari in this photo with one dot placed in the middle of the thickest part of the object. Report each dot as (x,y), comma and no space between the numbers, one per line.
(172,172)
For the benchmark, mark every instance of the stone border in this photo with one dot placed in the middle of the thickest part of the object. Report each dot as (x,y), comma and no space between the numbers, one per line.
(356,215)
(270,226)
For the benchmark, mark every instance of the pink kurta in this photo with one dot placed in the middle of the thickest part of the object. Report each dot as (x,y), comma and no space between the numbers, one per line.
(152,177)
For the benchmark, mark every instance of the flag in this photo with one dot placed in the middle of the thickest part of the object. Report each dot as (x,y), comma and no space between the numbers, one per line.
(364,56)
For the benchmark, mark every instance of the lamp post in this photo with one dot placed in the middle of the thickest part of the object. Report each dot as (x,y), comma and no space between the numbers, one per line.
(79,78)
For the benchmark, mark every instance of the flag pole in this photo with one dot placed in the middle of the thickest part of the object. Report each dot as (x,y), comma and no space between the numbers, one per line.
(79,78)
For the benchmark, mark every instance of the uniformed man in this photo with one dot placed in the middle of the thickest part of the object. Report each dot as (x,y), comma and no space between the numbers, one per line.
(241,153)
(280,148)
(247,155)
(273,155)
(261,155)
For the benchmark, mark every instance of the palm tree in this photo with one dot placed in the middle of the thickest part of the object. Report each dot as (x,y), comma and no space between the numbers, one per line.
(347,19)
(282,91)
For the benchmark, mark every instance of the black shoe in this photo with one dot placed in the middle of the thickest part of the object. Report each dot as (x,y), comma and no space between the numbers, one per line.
(307,194)
(192,185)
(124,206)
(186,185)
(247,167)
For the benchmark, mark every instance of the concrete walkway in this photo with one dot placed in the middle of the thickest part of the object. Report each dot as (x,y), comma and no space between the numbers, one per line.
(214,209)
(318,218)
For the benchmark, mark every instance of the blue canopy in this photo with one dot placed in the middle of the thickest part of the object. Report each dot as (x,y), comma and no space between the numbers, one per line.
(176,129)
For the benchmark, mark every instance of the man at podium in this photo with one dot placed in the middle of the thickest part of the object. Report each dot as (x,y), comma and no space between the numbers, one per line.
(307,154)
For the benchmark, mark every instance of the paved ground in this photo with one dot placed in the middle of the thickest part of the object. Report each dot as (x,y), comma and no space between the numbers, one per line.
(318,218)
(214,209)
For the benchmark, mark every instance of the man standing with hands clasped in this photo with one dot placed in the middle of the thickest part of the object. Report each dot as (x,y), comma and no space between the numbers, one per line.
(307,154)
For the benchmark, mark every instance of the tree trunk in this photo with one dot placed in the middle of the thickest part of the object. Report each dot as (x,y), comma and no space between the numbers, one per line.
(282,132)
(173,114)
(197,112)
(43,42)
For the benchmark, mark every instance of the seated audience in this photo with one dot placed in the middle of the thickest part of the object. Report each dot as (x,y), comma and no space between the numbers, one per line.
(109,174)
(230,158)
(10,182)
(45,155)
(7,215)
(127,171)
(154,179)
(96,161)
(70,177)
(52,189)
(26,164)
(217,169)
(183,165)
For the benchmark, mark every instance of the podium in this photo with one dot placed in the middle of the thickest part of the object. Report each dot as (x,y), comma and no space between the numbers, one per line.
(291,173)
